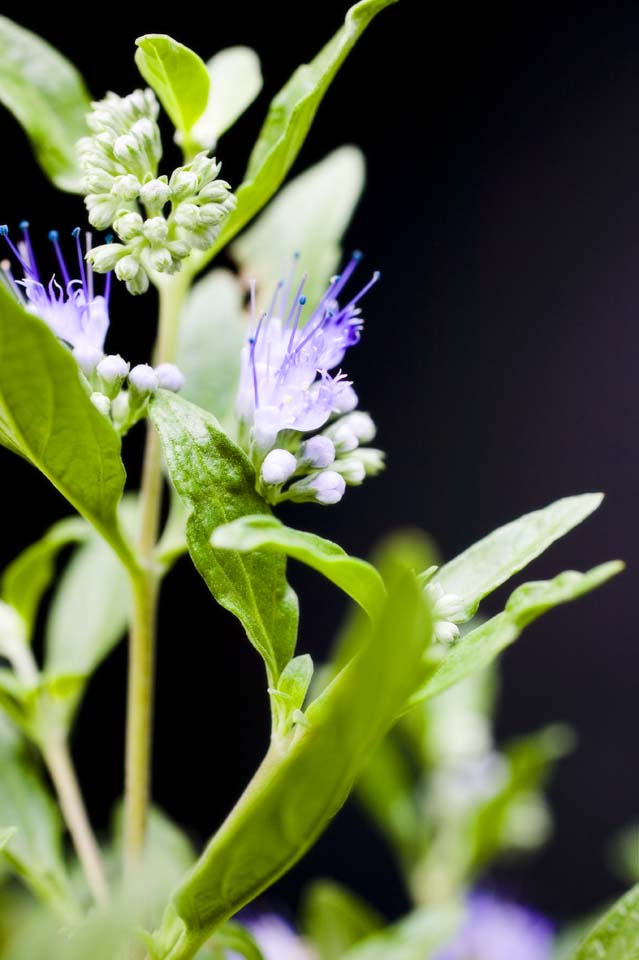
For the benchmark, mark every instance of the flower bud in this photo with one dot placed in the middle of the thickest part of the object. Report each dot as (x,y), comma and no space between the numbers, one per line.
(329,487)
(346,400)
(156,229)
(343,437)
(87,359)
(170,377)
(318,451)
(105,257)
(155,194)
(278,467)
(352,469)
(187,215)
(361,424)
(144,379)
(101,403)
(129,226)
(125,187)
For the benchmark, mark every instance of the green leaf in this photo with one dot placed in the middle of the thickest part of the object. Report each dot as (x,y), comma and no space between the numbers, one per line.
(27,578)
(491,561)
(305,778)
(336,919)
(48,98)
(616,936)
(217,484)
(295,681)
(88,617)
(34,852)
(301,219)
(213,330)
(231,936)
(178,76)
(289,119)
(236,80)
(47,417)
(357,578)
(479,647)
(412,938)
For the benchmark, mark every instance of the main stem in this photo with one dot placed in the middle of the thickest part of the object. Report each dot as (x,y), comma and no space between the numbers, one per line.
(145,582)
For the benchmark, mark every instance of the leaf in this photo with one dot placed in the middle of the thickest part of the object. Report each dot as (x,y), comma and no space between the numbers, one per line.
(217,484)
(412,938)
(231,936)
(289,119)
(479,647)
(491,561)
(27,577)
(88,616)
(48,98)
(295,681)
(34,852)
(236,80)
(47,416)
(357,578)
(301,219)
(304,778)
(212,332)
(178,76)
(336,919)
(616,936)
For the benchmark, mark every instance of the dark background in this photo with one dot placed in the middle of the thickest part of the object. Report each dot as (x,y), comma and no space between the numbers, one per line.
(499,360)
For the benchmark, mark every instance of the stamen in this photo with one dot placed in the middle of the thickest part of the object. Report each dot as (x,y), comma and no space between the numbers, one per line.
(298,294)
(286,293)
(83,276)
(107,279)
(54,238)
(9,280)
(29,258)
(253,341)
(300,303)
(276,294)
(4,232)
(342,279)
(88,243)
(364,290)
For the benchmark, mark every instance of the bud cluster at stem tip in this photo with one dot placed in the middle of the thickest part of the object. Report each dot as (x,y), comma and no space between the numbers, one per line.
(158,219)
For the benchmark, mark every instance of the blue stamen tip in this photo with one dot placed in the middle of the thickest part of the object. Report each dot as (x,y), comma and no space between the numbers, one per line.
(24,224)
(302,301)
(377,275)
(75,232)
(4,230)
(357,254)
(54,236)
(108,238)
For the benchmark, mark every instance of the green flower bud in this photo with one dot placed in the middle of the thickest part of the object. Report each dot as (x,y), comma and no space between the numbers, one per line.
(101,209)
(187,215)
(155,194)
(156,229)
(126,187)
(129,226)
(105,257)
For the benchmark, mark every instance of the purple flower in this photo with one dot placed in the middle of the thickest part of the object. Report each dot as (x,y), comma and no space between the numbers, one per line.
(497,930)
(285,382)
(277,940)
(70,307)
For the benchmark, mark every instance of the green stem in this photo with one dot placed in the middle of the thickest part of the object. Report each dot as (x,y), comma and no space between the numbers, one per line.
(145,583)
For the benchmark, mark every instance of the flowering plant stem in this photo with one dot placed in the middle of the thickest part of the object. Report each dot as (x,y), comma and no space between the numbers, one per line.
(145,584)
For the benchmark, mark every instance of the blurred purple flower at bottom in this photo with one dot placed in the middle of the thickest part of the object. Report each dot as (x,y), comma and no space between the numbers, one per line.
(276,939)
(496,930)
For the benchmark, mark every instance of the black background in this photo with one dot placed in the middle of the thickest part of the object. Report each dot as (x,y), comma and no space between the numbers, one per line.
(499,360)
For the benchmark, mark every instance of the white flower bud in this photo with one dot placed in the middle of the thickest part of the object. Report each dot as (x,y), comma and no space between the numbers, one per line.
(278,467)
(125,187)
(129,226)
(113,369)
(329,487)
(343,437)
(105,257)
(187,215)
(346,399)
(144,379)
(101,210)
(352,469)
(170,377)
(160,260)
(101,403)
(87,359)
(372,459)
(183,184)
(361,424)
(445,632)
(155,194)
(127,150)
(127,268)
(156,229)
(211,214)
(318,451)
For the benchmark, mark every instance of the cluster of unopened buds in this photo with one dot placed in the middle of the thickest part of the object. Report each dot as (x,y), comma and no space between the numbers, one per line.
(125,407)
(124,192)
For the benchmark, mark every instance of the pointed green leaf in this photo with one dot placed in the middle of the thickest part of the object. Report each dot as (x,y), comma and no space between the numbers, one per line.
(47,416)
(616,936)
(212,332)
(295,680)
(177,75)
(479,647)
(35,850)
(301,219)
(357,578)
(305,777)
(491,561)
(217,484)
(236,80)
(289,119)
(27,578)
(49,99)
(335,919)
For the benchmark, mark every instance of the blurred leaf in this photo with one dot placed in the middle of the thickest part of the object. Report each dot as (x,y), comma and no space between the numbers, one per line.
(178,76)
(412,938)
(300,219)
(236,80)
(43,406)
(306,777)
(34,850)
(294,682)
(212,332)
(357,578)
(480,647)
(216,482)
(232,936)
(624,854)
(289,119)
(336,919)
(491,561)
(27,577)
(616,935)
(48,98)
